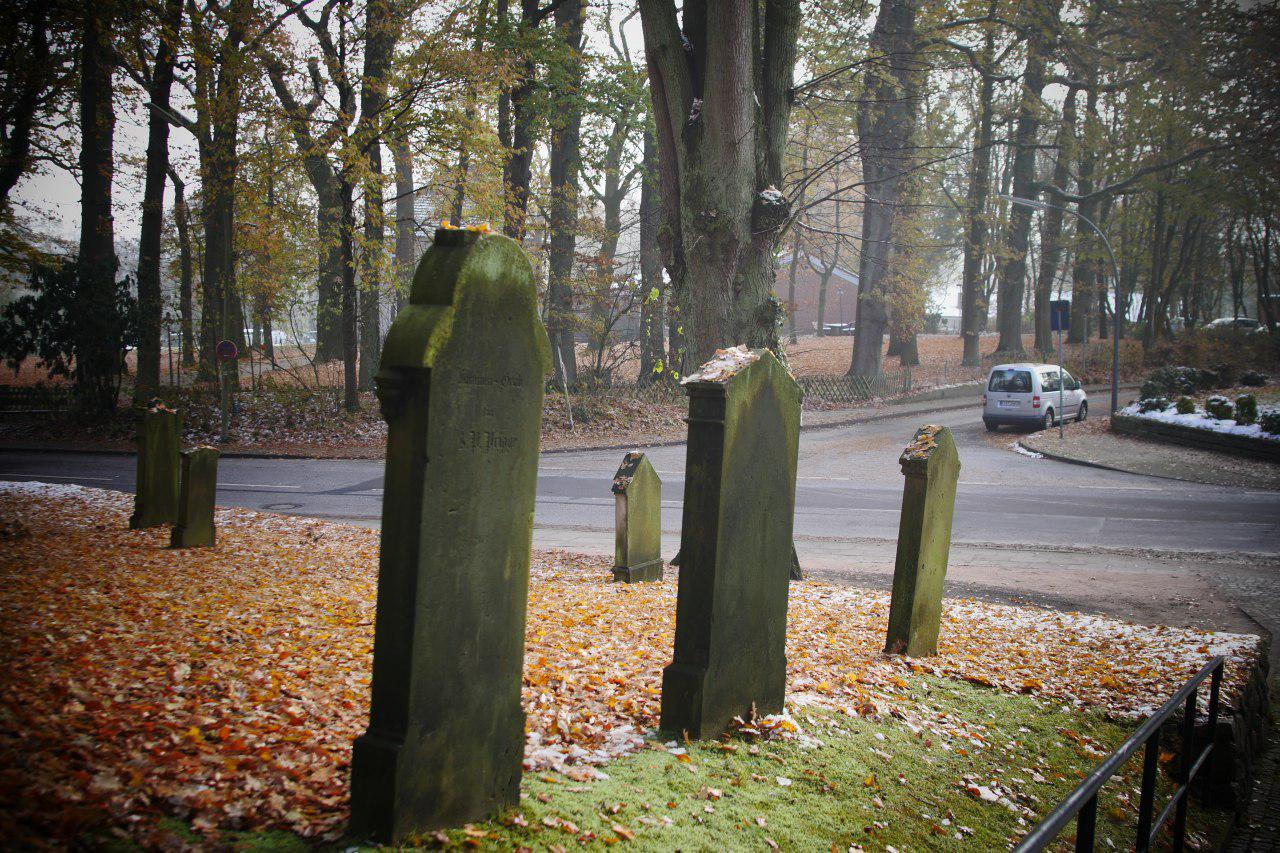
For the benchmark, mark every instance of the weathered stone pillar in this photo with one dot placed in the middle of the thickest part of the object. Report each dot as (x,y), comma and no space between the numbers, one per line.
(196,494)
(932,467)
(739,499)
(637,493)
(460,384)
(155,499)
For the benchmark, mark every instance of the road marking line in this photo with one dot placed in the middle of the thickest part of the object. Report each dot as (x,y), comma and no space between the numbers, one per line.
(59,477)
(258,486)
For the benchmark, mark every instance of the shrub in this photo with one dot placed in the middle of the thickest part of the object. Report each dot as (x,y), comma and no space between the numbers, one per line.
(1220,407)
(1225,373)
(1153,404)
(1151,391)
(1246,409)
(1173,380)
(1253,378)
(1186,406)
(1269,420)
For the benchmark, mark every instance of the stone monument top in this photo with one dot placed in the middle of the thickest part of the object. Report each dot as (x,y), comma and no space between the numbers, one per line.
(464,265)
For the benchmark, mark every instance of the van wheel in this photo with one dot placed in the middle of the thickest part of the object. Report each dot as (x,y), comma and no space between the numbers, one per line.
(1083,413)
(991,426)
(1048,419)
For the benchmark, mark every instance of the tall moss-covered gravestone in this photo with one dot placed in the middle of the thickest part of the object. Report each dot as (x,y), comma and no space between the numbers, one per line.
(932,468)
(739,498)
(637,493)
(196,493)
(460,385)
(159,443)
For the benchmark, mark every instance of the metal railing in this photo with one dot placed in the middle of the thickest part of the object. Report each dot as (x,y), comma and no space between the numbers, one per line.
(1082,803)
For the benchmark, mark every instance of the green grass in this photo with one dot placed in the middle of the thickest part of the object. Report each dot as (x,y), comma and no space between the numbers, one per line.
(845,791)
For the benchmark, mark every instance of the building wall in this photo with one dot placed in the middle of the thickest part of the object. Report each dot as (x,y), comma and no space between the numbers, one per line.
(808,283)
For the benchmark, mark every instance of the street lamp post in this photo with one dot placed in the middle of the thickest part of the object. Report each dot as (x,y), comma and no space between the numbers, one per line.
(1115,273)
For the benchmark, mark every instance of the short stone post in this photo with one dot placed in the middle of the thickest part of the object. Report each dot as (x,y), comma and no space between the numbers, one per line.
(460,384)
(155,499)
(932,467)
(196,494)
(739,499)
(637,493)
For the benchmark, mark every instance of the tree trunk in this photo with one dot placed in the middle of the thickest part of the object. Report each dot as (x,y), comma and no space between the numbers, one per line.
(381,31)
(182,221)
(405,221)
(562,218)
(519,168)
(973,303)
(1084,268)
(886,122)
(791,285)
(150,300)
(721,105)
(350,339)
(31,87)
(96,358)
(1051,225)
(1041,31)
(219,110)
(652,354)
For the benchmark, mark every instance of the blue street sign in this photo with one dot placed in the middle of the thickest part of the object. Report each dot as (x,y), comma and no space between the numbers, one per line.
(1059,315)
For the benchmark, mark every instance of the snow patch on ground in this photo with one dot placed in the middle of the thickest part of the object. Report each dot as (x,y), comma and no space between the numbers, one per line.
(1200,419)
(1018,448)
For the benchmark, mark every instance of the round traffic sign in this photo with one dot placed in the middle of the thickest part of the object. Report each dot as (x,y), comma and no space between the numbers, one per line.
(226,350)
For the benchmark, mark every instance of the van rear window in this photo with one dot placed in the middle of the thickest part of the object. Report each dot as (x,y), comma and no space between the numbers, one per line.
(1014,381)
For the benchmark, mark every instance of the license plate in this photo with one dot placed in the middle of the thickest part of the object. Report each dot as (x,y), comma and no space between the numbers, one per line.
(1007,404)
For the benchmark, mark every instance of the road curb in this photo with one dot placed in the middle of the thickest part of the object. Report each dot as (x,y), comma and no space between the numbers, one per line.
(1086,463)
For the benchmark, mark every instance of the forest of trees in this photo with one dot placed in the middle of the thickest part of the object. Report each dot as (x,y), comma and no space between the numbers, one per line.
(654,158)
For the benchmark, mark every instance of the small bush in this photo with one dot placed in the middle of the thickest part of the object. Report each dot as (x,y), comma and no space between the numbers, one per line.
(1173,380)
(1151,391)
(1246,409)
(1154,404)
(1269,420)
(1253,378)
(1225,372)
(1186,406)
(1220,407)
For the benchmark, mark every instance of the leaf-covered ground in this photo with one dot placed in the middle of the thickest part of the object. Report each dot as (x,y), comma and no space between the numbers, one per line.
(224,686)
(293,421)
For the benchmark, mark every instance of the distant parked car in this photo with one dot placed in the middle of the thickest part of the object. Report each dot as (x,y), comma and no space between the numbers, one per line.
(830,329)
(1027,395)
(1224,325)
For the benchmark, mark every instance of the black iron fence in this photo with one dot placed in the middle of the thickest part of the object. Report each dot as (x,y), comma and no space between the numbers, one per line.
(1082,803)
(33,400)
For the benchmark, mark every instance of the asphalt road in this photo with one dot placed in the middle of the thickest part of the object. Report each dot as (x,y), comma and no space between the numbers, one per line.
(1025,529)
(849,487)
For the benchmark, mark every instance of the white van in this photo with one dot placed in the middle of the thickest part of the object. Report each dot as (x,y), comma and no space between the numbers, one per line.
(1027,395)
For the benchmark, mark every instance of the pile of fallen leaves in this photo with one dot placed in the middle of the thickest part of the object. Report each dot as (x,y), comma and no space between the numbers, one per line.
(224,686)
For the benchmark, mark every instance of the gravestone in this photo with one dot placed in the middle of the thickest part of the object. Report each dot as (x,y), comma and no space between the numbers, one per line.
(460,385)
(739,499)
(196,492)
(159,442)
(637,493)
(932,467)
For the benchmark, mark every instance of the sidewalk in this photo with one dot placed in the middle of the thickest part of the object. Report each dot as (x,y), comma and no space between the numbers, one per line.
(1091,444)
